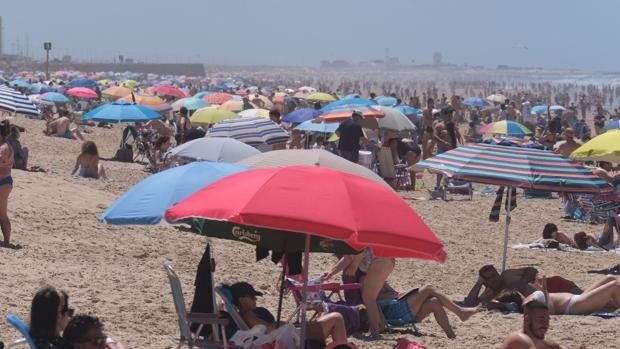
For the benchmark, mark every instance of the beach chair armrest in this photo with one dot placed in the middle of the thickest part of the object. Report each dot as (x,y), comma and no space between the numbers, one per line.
(205,318)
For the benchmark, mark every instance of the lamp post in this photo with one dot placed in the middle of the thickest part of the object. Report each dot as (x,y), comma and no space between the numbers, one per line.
(47,46)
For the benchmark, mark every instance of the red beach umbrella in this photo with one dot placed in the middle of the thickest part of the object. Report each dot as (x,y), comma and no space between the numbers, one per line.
(297,201)
(82,92)
(169,90)
(217,98)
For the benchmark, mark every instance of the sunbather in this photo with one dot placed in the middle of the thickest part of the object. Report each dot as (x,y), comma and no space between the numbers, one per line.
(49,315)
(244,297)
(605,241)
(88,162)
(535,326)
(59,127)
(603,295)
(551,232)
(413,307)
(512,280)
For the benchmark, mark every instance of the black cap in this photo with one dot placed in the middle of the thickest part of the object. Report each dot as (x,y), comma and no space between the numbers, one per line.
(243,289)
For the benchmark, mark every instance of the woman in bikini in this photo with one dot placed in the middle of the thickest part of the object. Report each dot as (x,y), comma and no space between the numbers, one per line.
(88,162)
(603,295)
(6,181)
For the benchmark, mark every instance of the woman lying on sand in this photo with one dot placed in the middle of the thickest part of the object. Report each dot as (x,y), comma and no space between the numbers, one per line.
(88,162)
(603,295)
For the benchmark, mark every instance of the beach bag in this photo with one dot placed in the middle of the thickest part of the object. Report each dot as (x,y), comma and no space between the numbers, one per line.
(404,343)
(256,338)
(124,153)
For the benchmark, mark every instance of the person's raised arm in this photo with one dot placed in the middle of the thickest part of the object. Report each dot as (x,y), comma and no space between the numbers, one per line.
(472,297)
(77,165)
(342,263)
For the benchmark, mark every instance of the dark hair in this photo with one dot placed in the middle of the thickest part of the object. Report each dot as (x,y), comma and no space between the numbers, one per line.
(79,326)
(161,140)
(510,297)
(183,111)
(581,240)
(90,148)
(530,307)
(44,312)
(275,112)
(485,269)
(430,100)
(5,128)
(548,230)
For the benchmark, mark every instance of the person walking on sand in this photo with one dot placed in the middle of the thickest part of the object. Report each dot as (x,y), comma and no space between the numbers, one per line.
(6,181)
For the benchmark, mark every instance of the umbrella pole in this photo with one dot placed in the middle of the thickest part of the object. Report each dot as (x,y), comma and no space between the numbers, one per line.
(216,334)
(505,254)
(281,296)
(304,297)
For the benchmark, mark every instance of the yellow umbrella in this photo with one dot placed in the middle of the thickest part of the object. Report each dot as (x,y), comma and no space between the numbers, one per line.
(321,97)
(130,84)
(117,92)
(263,113)
(211,115)
(604,147)
(146,99)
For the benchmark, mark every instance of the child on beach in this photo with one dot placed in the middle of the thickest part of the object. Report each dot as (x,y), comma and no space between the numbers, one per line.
(88,162)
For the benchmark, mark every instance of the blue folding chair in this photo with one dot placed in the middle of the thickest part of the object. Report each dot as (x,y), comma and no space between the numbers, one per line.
(20,326)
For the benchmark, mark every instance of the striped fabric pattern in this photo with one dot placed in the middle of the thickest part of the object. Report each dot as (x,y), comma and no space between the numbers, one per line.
(15,102)
(251,130)
(519,167)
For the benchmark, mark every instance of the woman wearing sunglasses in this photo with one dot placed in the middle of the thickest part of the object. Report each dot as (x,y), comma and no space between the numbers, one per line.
(49,315)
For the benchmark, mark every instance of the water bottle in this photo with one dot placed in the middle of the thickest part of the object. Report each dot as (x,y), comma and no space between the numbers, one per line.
(487,191)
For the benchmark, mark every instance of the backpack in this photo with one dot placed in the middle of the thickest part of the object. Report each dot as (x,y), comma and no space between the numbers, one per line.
(124,153)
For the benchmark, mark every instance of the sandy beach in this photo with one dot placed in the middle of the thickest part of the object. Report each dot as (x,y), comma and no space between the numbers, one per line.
(116,272)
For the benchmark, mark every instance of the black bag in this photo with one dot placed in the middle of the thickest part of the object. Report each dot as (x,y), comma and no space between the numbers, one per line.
(124,153)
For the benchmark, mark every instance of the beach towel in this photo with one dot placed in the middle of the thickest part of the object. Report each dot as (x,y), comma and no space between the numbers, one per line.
(497,204)
(404,343)
(562,247)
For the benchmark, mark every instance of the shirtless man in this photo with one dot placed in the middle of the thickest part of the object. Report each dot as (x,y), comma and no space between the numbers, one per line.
(569,145)
(535,326)
(494,283)
(427,123)
(59,127)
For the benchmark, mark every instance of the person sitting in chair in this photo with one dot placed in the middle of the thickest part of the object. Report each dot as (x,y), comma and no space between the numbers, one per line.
(244,297)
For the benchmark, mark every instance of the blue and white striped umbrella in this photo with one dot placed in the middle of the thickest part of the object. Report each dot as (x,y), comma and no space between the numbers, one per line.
(254,131)
(15,102)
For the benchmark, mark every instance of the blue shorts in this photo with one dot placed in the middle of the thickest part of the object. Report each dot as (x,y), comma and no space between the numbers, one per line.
(6,181)
(68,134)
(397,312)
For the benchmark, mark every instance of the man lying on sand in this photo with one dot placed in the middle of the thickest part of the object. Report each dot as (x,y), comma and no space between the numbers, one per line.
(535,326)
(512,280)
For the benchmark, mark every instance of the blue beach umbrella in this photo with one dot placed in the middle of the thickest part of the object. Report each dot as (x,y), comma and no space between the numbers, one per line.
(40,88)
(540,109)
(82,82)
(348,103)
(147,201)
(202,94)
(300,115)
(19,83)
(409,111)
(612,125)
(323,127)
(121,111)
(54,97)
(476,102)
(386,101)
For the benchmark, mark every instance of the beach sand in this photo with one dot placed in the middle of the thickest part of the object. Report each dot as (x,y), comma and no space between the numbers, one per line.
(115,272)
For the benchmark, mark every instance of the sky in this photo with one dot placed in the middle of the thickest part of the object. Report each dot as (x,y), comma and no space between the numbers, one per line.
(542,33)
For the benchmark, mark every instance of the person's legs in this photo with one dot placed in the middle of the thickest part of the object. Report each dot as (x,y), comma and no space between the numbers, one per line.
(5,223)
(332,324)
(377,273)
(600,282)
(77,134)
(25,159)
(428,291)
(432,305)
(101,172)
(597,299)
